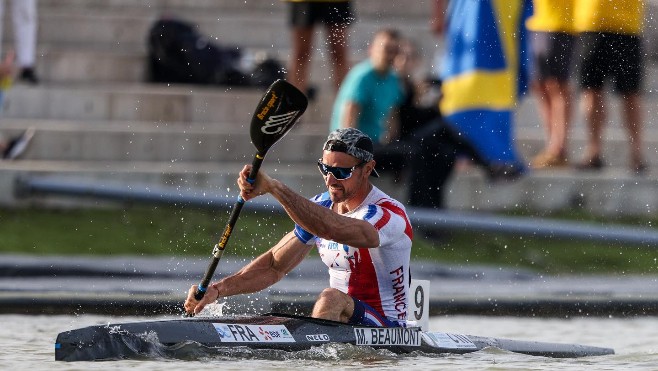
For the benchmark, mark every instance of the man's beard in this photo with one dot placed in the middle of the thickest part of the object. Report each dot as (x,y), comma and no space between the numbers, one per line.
(342,194)
(338,194)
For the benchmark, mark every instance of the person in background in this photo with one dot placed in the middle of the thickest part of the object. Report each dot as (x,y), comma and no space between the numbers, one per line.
(484,71)
(362,235)
(13,147)
(371,92)
(610,31)
(24,17)
(553,42)
(427,148)
(336,15)
(415,111)
(393,157)
(437,149)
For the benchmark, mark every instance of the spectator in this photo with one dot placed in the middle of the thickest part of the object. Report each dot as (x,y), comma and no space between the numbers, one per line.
(610,31)
(304,15)
(393,157)
(436,150)
(414,112)
(13,147)
(24,17)
(484,71)
(552,42)
(371,92)
(426,145)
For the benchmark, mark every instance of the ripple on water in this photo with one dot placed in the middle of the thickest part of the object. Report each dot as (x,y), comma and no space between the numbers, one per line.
(27,342)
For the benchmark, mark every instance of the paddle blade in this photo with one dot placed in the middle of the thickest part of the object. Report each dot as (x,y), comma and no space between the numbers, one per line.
(276,114)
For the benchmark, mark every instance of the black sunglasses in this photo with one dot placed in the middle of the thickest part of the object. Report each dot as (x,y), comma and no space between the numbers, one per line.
(340,173)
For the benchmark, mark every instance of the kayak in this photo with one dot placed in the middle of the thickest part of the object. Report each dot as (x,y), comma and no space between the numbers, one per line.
(173,338)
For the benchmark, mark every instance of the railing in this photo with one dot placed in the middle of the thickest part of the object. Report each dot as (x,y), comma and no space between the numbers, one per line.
(426,218)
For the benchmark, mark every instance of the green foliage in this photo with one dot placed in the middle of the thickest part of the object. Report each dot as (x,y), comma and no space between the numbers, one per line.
(540,254)
(136,230)
(183,231)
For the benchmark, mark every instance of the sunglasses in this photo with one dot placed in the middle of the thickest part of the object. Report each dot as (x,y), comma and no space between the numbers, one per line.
(340,173)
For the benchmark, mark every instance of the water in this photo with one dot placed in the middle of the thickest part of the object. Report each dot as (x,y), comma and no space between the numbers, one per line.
(27,342)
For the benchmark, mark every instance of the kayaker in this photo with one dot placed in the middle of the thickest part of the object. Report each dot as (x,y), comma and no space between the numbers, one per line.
(362,235)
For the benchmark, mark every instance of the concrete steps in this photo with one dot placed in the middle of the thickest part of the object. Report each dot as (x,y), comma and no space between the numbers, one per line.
(106,40)
(159,122)
(63,140)
(200,177)
(141,102)
(147,141)
(611,192)
(77,26)
(96,119)
(192,103)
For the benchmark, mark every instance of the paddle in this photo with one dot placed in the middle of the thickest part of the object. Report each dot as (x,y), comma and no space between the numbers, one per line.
(275,115)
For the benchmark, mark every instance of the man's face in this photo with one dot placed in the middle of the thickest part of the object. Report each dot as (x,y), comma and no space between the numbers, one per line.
(406,60)
(383,51)
(343,190)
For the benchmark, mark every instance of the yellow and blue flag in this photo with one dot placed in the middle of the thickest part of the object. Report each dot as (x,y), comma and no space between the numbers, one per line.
(484,71)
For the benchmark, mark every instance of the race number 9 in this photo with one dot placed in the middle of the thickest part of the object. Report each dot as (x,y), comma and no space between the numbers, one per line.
(419,305)
(419,300)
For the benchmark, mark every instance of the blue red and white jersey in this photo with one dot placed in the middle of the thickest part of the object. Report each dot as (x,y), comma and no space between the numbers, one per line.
(377,276)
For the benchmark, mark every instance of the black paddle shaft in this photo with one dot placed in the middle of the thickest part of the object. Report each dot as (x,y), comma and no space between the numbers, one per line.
(275,115)
(218,250)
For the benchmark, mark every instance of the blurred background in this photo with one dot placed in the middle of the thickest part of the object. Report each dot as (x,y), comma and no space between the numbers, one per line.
(97,118)
(105,138)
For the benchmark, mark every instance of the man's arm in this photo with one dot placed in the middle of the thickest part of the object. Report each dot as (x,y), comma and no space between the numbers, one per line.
(318,220)
(264,271)
(323,222)
(267,269)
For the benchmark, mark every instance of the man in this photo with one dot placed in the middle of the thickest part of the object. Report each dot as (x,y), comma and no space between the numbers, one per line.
(304,15)
(362,235)
(552,45)
(24,17)
(611,33)
(13,147)
(371,91)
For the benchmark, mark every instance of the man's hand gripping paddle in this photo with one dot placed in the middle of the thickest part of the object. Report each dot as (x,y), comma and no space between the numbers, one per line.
(275,115)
